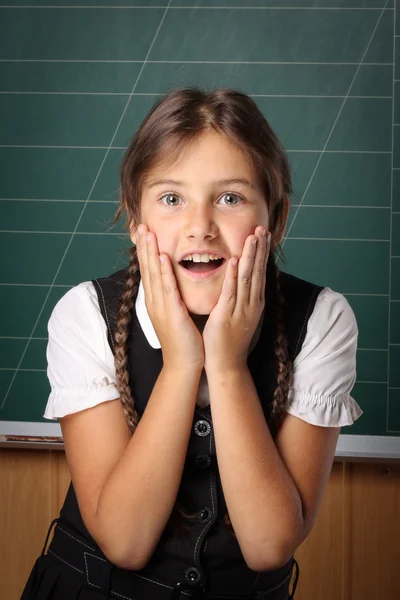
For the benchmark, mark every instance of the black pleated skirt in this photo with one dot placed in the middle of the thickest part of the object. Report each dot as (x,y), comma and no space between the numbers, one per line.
(49,580)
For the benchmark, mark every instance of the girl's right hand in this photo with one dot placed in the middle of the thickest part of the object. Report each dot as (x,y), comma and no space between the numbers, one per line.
(181,342)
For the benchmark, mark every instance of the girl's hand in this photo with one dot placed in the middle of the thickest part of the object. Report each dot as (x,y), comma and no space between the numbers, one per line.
(234,319)
(181,341)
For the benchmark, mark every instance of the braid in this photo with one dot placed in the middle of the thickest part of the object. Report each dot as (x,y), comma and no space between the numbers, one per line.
(283,361)
(179,516)
(124,313)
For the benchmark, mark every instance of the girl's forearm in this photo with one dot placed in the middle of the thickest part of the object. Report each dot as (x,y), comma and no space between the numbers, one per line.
(138,497)
(263,502)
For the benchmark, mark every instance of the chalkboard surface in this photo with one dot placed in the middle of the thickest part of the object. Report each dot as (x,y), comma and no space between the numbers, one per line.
(76,81)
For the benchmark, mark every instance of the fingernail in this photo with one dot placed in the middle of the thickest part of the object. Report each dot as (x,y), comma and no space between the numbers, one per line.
(269,238)
(262,231)
(140,230)
(147,238)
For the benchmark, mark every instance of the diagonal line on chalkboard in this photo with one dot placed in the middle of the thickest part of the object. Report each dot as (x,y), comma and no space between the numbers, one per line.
(86,202)
(334,124)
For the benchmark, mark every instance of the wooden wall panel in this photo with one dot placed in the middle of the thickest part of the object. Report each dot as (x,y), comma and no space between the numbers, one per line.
(64,479)
(352,553)
(320,555)
(25,514)
(375,531)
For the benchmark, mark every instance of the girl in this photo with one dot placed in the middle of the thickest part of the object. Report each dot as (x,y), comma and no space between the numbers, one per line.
(200,391)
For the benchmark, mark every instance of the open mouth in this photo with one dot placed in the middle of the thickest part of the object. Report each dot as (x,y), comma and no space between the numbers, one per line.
(202,267)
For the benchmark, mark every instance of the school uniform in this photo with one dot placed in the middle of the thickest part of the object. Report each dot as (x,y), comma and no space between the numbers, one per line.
(322,338)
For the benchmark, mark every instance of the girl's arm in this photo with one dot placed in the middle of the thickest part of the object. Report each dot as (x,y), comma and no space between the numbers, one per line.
(126,485)
(272,491)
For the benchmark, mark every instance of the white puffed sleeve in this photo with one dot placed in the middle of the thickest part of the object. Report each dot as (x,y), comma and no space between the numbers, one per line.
(324,371)
(80,363)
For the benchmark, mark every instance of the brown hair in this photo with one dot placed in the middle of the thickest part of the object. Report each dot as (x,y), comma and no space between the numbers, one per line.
(176,120)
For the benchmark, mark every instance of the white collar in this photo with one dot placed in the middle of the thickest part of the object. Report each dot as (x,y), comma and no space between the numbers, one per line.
(149,331)
(144,319)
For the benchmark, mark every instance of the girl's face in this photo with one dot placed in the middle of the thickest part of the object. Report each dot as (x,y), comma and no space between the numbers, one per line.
(209,200)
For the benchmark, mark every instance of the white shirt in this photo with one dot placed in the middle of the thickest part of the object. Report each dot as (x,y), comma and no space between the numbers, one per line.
(81,367)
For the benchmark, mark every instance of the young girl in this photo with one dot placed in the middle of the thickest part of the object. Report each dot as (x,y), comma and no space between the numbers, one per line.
(200,391)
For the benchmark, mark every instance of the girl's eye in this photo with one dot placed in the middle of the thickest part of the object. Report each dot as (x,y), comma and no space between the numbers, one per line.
(232,199)
(170,199)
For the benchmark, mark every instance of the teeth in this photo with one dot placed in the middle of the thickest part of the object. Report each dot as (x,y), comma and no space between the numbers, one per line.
(202,257)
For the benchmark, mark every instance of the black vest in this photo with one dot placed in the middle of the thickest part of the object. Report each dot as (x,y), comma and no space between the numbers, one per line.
(210,553)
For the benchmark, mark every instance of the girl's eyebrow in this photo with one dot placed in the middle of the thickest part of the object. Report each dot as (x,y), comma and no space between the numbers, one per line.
(218,182)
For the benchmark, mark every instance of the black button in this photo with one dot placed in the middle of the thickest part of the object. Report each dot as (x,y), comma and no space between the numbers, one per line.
(202,428)
(192,575)
(205,515)
(203,461)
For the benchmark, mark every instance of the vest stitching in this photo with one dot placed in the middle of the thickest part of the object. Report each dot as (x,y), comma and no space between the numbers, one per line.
(74,538)
(152,581)
(129,598)
(211,475)
(102,559)
(64,561)
(86,567)
(120,595)
(306,318)
(135,575)
(105,311)
(281,583)
(257,578)
(213,507)
(158,583)
(204,417)
(94,584)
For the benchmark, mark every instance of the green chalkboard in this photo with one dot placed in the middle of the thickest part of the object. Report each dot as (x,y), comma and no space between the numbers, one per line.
(76,81)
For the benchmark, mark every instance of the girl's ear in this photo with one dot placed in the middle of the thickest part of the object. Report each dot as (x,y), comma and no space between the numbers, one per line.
(281,221)
(133,233)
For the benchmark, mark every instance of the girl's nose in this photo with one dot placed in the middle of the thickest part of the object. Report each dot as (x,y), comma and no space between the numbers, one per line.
(201,223)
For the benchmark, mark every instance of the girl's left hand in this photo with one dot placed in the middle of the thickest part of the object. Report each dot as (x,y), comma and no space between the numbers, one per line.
(232,322)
